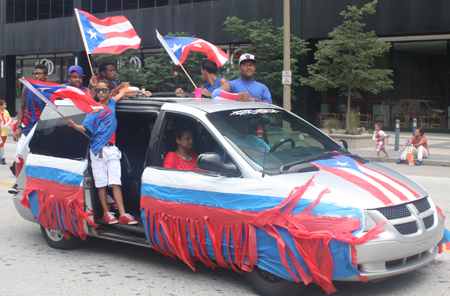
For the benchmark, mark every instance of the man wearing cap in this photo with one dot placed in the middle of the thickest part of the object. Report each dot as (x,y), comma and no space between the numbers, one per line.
(106,71)
(245,88)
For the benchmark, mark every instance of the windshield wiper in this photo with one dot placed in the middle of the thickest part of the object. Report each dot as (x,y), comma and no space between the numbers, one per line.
(309,158)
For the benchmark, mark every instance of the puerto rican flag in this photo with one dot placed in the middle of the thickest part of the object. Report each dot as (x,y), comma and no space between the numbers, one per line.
(111,35)
(386,189)
(49,92)
(181,46)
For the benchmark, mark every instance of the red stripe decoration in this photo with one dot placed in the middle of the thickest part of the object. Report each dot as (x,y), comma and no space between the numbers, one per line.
(59,204)
(167,223)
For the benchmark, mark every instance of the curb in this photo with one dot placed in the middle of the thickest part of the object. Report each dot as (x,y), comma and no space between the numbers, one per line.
(425,161)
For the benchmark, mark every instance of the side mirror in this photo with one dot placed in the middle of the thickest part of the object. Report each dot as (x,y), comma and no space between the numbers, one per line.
(343,144)
(211,162)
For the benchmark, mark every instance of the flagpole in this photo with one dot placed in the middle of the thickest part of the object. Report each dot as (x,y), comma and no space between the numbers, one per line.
(41,96)
(174,57)
(84,40)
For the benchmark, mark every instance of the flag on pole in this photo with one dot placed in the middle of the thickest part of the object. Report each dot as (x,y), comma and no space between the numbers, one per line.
(167,48)
(49,92)
(181,46)
(111,35)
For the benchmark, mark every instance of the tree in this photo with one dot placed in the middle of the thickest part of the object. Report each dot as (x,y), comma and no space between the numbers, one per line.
(268,50)
(347,60)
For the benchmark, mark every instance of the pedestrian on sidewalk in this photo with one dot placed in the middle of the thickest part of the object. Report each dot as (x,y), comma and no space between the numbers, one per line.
(5,120)
(379,136)
(419,147)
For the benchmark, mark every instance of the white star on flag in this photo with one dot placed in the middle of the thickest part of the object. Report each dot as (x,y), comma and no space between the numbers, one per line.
(43,88)
(341,163)
(175,47)
(93,34)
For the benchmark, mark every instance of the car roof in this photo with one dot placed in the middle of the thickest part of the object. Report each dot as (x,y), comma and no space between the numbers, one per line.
(206,105)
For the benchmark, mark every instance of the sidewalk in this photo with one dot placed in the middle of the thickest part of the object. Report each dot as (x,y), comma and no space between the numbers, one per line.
(438,144)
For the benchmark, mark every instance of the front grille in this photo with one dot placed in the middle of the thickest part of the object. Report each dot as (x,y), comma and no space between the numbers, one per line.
(395,212)
(403,260)
(407,228)
(422,205)
(428,221)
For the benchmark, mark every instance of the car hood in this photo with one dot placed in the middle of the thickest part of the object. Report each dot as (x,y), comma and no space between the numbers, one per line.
(374,186)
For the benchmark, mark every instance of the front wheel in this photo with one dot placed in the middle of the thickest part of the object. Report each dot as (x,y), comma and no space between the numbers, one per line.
(268,284)
(55,239)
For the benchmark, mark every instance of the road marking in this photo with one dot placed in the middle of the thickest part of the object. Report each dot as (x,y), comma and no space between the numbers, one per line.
(4,184)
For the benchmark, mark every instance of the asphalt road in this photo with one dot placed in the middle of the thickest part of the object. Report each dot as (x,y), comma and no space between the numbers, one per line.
(28,266)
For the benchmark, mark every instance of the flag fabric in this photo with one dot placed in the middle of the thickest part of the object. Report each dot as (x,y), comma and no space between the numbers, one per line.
(181,46)
(386,189)
(172,56)
(111,35)
(49,92)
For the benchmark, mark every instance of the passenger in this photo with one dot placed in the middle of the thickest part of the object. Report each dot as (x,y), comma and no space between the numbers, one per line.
(246,88)
(75,79)
(104,154)
(209,75)
(184,158)
(106,71)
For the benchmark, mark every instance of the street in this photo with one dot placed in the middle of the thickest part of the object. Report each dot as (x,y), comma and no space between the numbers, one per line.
(28,266)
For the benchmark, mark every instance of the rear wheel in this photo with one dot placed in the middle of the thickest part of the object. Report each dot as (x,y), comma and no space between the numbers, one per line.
(55,239)
(268,284)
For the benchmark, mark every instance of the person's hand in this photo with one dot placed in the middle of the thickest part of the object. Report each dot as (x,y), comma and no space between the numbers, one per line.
(206,93)
(179,90)
(145,92)
(70,123)
(245,97)
(17,134)
(93,81)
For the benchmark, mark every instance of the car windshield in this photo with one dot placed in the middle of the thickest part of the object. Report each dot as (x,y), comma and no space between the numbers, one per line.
(273,138)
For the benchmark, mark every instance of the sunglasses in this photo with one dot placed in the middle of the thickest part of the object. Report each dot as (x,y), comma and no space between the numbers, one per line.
(103,90)
(37,73)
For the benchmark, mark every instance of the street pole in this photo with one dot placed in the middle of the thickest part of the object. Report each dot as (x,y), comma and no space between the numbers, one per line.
(287,52)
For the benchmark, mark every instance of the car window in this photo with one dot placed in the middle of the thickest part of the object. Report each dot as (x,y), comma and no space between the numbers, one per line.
(53,137)
(271,138)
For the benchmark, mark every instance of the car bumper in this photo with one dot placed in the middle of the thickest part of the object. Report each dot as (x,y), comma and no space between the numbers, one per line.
(23,212)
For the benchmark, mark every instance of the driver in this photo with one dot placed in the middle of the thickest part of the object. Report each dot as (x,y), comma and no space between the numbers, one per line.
(254,138)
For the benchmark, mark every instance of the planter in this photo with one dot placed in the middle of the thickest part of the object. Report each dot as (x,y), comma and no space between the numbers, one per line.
(355,141)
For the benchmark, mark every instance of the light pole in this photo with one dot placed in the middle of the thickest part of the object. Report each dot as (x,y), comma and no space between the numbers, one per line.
(286,55)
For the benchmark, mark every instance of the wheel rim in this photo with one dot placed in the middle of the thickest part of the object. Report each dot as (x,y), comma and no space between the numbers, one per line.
(54,234)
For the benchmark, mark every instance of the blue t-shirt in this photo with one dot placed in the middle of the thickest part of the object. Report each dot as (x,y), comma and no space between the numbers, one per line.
(82,87)
(254,88)
(212,88)
(101,126)
(33,109)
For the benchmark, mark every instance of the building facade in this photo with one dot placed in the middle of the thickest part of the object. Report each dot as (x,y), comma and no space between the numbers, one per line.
(46,31)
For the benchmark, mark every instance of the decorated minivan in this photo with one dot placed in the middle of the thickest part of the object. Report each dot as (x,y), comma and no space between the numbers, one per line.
(273,197)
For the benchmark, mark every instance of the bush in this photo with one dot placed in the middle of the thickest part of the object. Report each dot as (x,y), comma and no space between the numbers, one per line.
(332,124)
(352,122)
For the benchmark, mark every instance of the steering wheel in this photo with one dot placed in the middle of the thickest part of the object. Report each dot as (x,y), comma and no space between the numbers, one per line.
(281,142)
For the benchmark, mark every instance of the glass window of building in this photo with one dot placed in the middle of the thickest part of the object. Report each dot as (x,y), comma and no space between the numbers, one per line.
(130,4)
(185,1)
(32,9)
(114,5)
(57,9)
(68,7)
(44,9)
(146,3)
(99,6)
(19,9)
(162,2)
(86,5)
(10,11)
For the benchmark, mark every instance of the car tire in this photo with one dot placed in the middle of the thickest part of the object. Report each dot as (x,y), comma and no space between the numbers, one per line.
(268,284)
(55,239)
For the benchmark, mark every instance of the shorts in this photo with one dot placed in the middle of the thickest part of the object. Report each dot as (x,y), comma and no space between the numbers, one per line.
(3,141)
(381,146)
(106,170)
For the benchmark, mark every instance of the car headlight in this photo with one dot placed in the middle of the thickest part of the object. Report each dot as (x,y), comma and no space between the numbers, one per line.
(369,222)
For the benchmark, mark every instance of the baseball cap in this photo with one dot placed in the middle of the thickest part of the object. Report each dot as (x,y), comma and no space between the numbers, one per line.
(246,57)
(77,69)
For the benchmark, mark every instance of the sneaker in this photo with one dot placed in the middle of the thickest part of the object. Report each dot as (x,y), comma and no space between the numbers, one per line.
(127,219)
(399,161)
(109,218)
(418,162)
(3,161)
(14,189)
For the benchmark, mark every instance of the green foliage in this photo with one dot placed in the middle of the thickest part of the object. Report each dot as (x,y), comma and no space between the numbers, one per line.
(268,50)
(332,124)
(346,60)
(352,122)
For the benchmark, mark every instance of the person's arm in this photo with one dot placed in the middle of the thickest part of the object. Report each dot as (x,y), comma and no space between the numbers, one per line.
(20,112)
(266,96)
(92,85)
(75,126)
(222,81)
(122,85)
(420,143)
(129,91)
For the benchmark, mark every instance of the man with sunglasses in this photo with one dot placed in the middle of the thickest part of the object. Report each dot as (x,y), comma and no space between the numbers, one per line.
(30,108)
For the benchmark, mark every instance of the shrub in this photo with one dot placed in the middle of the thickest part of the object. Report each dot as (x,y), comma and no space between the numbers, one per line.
(332,124)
